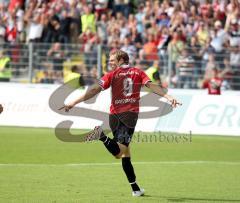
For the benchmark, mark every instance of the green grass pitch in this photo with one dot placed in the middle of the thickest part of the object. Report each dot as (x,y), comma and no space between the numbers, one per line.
(35,167)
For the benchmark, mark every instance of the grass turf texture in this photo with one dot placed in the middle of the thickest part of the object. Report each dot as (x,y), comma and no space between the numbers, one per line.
(36,167)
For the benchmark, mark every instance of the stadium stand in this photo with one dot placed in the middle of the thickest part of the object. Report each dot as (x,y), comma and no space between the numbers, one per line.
(45,38)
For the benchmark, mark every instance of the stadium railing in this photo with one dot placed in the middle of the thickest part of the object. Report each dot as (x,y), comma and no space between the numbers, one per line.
(49,63)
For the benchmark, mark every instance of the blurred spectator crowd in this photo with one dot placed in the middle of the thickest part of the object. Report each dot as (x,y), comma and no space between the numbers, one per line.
(188,38)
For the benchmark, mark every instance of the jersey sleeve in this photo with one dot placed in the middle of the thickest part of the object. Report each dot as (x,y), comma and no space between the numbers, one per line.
(144,78)
(105,81)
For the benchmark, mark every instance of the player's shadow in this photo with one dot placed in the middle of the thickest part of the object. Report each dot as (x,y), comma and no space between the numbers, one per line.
(186,199)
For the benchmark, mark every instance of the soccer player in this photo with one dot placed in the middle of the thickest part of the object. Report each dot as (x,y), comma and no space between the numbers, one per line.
(1,108)
(214,83)
(126,82)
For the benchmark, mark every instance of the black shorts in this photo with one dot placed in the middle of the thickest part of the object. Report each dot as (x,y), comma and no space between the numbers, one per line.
(122,126)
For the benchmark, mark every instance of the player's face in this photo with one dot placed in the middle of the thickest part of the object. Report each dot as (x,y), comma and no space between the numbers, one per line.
(214,73)
(113,63)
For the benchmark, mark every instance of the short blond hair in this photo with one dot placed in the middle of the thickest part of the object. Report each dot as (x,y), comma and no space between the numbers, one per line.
(121,55)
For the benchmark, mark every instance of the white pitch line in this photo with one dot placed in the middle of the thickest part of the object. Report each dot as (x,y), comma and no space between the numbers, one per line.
(115,163)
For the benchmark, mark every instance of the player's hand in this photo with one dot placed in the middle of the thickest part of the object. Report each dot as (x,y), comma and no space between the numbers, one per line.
(67,107)
(173,101)
(1,108)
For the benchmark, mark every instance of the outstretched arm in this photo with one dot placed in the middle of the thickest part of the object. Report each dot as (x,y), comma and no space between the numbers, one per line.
(91,92)
(160,91)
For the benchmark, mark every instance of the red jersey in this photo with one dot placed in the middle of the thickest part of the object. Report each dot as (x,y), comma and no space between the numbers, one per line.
(213,85)
(126,83)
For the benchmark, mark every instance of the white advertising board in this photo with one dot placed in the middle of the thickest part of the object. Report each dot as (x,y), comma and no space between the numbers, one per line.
(28,105)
